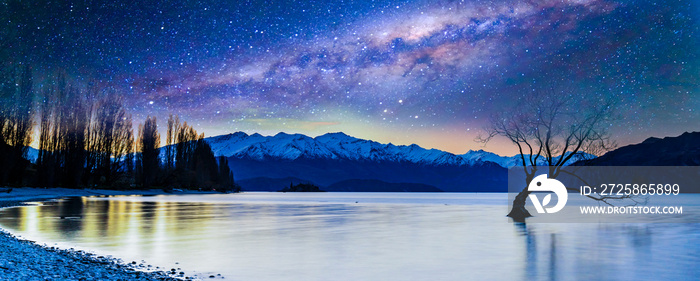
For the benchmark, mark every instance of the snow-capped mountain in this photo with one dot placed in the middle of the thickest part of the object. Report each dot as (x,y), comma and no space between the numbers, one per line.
(336,146)
(333,160)
(339,146)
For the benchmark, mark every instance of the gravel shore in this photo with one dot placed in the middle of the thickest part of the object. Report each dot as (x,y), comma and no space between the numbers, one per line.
(26,260)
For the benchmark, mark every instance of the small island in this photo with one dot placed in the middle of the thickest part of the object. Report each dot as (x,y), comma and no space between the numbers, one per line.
(302,187)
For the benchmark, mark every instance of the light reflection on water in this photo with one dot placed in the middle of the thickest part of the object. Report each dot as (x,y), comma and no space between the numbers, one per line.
(385,236)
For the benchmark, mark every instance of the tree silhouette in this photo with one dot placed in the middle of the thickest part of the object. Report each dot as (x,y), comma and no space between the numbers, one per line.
(170,140)
(111,139)
(226,175)
(46,161)
(149,141)
(552,126)
(86,139)
(62,135)
(16,121)
(74,118)
(53,132)
(193,162)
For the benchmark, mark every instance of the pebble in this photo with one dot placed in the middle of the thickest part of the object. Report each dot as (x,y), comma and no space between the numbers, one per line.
(22,259)
(27,260)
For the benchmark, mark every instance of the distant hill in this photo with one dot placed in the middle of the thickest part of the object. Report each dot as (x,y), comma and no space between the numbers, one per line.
(302,187)
(354,185)
(683,150)
(269,184)
(325,172)
(380,186)
(475,156)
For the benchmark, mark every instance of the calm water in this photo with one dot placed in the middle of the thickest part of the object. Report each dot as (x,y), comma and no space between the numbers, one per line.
(384,236)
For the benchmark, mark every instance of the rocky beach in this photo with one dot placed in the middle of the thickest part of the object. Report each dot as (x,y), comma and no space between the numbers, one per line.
(28,260)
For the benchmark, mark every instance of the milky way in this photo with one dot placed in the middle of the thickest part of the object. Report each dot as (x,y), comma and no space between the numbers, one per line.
(426,72)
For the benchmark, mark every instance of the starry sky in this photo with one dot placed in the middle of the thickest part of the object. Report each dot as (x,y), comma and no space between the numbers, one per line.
(424,72)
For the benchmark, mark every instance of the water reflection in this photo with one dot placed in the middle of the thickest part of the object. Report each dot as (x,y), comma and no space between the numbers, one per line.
(317,240)
(610,251)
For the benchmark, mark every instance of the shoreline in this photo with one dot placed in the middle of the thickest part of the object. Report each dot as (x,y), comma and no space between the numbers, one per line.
(22,259)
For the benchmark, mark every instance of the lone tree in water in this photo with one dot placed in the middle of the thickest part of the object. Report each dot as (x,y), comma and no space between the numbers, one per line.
(551,128)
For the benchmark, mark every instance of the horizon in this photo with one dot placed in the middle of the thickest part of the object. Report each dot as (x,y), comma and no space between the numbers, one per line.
(486,149)
(427,148)
(511,148)
(401,144)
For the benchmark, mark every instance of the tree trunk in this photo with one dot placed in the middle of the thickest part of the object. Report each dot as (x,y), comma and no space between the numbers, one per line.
(518,213)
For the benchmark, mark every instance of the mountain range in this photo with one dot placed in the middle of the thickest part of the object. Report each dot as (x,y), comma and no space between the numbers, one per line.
(334,160)
(338,162)
(340,146)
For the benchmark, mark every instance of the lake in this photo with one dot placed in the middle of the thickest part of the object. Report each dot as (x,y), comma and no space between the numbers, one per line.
(357,236)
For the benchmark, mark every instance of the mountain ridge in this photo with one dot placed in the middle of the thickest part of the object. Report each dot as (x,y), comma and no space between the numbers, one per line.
(337,158)
(681,150)
(340,146)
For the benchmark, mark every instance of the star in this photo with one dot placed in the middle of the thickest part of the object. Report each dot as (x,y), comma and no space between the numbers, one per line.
(340,63)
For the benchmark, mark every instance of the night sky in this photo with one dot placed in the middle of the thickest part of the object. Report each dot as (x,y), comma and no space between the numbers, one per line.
(425,72)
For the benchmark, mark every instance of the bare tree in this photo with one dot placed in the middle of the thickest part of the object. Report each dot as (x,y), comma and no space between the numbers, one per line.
(191,162)
(110,138)
(170,141)
(46,162)
(16,120)
(62,134)
(148,142)
(186,138)
(550,129)
(74,129)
